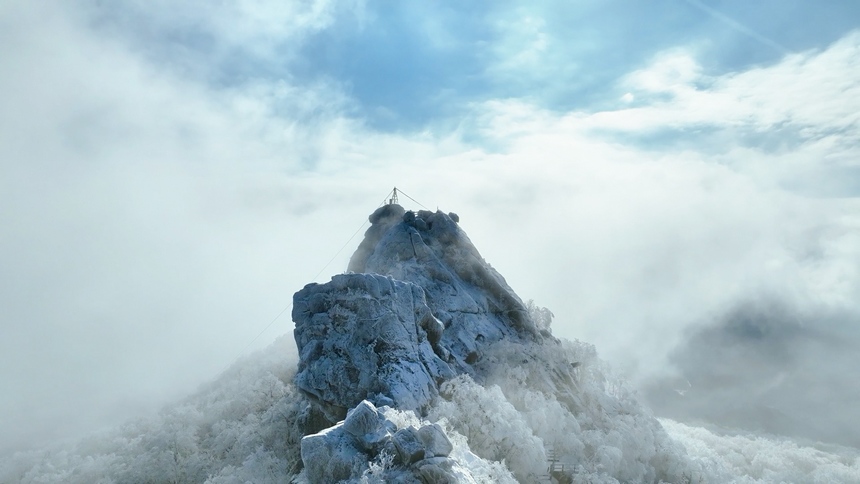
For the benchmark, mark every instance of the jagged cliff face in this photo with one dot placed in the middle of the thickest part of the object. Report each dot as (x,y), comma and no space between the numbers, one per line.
(420,306)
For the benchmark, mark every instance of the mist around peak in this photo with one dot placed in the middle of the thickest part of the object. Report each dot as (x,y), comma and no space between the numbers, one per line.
(767,366)
(502,399)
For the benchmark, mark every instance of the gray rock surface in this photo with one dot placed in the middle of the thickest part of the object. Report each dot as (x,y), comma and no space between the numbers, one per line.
(409,447)
(419,307)
(361,421)
(344,450)
(473,301)
(435,441)
(366,336)
(330,457)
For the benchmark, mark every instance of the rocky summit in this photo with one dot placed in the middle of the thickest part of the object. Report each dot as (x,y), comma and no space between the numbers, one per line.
(422,324)
(418,306)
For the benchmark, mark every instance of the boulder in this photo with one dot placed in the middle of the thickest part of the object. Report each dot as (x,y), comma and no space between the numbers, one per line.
(436,443)
(436,470)
(362,420)
(329,457)
(410,448)
(343,451)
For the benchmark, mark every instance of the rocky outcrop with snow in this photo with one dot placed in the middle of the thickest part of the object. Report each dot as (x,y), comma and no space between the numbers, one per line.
(420,454)
(367,336)
(473,301)
(422,320)
(420,306)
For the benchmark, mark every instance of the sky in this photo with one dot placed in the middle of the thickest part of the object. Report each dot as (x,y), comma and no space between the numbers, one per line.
(676,180)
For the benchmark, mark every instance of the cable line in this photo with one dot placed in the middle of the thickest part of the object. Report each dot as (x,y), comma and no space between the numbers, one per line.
(410,198)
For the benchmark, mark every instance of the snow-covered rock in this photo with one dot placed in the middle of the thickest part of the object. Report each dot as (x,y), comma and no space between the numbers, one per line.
(366,336)
(421,306)
(421,322)
(409,454)
(471,299)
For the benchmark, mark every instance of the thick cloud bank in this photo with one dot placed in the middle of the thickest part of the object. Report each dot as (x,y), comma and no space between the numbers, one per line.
(768,366)
(750,458)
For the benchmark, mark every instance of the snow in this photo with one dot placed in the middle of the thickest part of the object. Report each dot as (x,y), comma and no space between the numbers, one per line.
(244,427)
(422,365)
(757,459)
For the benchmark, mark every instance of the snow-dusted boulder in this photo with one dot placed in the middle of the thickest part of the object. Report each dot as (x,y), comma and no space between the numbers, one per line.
(331,456)
(436,443)
(346,450)
(366,336)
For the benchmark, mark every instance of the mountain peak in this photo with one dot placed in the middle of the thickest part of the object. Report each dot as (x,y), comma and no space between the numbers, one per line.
(418,307)
(413,270)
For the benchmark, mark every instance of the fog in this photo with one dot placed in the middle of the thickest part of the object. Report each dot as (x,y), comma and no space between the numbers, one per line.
(699,226)
(768,367)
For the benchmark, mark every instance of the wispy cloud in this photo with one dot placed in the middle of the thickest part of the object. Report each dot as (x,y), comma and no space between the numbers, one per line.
(740,27)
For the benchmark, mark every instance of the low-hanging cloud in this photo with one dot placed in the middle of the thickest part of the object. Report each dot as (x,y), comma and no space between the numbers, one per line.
(155,222)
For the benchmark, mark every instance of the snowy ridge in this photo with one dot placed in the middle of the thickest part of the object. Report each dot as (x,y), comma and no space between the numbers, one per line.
(420,366)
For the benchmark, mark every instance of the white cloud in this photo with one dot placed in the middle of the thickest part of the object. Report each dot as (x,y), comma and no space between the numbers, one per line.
(157,222)
(254,27)
(148,222)
(671,72)
(812,90)
(524,44)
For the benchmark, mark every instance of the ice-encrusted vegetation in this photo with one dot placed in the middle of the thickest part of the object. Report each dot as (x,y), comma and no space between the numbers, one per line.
(573,408)
(421,366)
(243,428)
(239,428)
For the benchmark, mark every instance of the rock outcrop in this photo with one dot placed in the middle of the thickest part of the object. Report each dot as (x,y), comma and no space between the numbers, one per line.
(367,336)
(473,301)
(422,325)
(344,449)
(418,307)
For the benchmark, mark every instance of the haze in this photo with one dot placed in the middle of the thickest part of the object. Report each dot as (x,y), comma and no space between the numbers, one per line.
(676,181)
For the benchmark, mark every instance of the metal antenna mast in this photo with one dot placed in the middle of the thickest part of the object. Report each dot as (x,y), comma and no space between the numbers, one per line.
(393,199)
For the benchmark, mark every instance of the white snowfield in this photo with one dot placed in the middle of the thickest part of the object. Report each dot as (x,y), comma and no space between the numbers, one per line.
(421,365)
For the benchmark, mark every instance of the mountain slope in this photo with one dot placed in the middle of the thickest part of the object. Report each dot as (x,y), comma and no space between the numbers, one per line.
(422,365)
